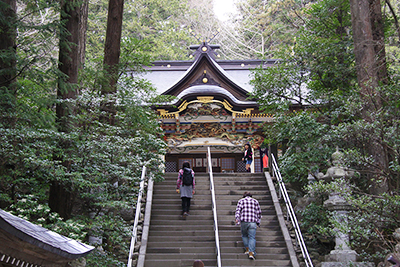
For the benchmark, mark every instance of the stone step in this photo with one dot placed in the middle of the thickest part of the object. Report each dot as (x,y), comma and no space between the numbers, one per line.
(234,194)
(183,250)
(177,200)
(233,227)
(177,212)
(260,231)
(174,195)
(177,241)
(260,238)
(232,199)
(183,238)
(192,216)
(216,174)
(183,256)
(169,188)
(183,222)
(233,202)
(238,250)
(260,245)
(266,219)
(178,227)
(264,227)
(177,197)
(259,256)
(177,263)
(196,232)
(231,211)
(177,205)
(257,262)
(176,244)
(240,183)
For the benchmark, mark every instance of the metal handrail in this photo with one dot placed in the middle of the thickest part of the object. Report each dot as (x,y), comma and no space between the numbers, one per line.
(137,216)
(291,213)
(214,207)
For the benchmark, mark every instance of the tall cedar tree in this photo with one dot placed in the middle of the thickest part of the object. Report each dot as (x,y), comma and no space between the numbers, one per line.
(61,197)
(369,50)
(8,71)
(112,51)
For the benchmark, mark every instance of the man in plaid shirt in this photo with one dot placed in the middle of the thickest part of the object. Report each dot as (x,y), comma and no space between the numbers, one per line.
(248,215)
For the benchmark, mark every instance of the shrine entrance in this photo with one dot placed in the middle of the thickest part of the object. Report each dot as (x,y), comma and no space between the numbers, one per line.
(224,159)
(209,108)
(221,163)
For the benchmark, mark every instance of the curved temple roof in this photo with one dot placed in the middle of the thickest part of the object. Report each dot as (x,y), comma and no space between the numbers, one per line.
(167,76)
(205,76)
(42,237)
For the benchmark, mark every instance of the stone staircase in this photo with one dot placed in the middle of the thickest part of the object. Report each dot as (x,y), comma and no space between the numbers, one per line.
(271,247)
(174,241)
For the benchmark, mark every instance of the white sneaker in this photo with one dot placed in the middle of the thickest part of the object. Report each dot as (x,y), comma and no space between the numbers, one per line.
(251,256)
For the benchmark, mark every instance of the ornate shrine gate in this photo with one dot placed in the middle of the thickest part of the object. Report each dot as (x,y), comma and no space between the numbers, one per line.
(210,109)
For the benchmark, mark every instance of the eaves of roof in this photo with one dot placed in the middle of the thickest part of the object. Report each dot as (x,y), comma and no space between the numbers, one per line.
(42,237)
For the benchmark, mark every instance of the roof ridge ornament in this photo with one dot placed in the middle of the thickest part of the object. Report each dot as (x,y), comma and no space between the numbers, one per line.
(205,47)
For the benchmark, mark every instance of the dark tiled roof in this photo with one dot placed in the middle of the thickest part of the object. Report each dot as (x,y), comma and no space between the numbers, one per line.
(42,237)
(167,75)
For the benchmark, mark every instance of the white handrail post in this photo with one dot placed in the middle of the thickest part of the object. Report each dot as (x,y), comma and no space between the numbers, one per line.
(214,207)
(290,212)
(137,215)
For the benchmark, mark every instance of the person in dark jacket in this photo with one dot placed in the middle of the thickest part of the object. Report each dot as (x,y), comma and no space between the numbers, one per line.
(247,156)
(186,191)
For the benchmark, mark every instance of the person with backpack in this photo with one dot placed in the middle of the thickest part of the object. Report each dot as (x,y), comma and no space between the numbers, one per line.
(185,186)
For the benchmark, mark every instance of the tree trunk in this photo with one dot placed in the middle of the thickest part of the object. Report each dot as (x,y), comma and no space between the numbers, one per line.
(82,32)
(8,61)
(61,196)
(68,63)
(112,51)
(378,35)
(369,50)
(112,48)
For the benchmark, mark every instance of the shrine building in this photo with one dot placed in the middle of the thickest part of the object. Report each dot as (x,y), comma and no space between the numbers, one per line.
(211,108)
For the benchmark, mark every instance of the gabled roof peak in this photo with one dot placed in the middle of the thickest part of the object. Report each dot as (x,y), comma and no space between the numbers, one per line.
(205,49)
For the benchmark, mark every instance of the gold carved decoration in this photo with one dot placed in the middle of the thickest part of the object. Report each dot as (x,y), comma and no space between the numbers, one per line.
(206,99)
(163,112)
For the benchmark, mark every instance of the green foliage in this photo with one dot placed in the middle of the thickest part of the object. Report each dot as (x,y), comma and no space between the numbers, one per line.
(307,151)
(304,76)
(305,79)
(163,24)
(317,75)
(313,218)
(371,220)
(372,225)
(103,258)
(97,163)
(28,208)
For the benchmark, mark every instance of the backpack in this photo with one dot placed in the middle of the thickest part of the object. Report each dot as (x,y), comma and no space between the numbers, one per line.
(187,177)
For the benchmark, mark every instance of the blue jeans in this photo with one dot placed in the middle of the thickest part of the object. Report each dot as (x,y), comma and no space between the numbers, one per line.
(249,230)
